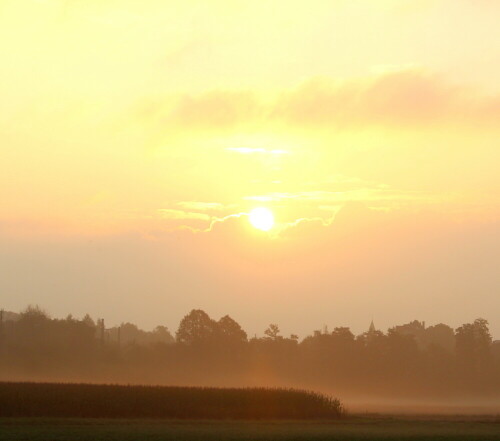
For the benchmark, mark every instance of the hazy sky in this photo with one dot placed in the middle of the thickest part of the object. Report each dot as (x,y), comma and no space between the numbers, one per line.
(135,136)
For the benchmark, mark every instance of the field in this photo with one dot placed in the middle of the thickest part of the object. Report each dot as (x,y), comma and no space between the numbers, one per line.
(78,412)
(116,401)
(348,429)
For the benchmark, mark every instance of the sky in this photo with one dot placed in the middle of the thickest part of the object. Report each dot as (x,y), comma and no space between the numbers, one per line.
(136,136)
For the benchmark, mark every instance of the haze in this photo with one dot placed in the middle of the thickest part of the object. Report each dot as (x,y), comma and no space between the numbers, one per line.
(135,137)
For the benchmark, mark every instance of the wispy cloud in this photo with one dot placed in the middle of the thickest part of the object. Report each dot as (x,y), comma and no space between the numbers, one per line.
(217,109)
(257,150)
(201,206)
(169,213)
(322,196)
(406,97)
(401,98)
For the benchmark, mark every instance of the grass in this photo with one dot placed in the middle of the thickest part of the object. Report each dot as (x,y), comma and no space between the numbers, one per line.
(113,401)
(347,429)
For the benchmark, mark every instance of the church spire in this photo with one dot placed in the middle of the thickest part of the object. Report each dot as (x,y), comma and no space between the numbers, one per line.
(372,327)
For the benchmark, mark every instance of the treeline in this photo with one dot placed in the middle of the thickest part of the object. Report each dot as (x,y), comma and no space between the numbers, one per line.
(410,360)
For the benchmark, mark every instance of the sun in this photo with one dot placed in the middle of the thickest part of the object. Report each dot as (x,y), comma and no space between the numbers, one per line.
(261,218)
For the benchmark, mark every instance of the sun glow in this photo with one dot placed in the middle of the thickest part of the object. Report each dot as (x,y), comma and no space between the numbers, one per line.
(261,218)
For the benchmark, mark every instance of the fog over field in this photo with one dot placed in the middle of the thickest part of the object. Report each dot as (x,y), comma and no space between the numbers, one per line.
(412,368)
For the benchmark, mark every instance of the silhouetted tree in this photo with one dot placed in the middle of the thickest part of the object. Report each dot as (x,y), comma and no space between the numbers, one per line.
(409,359)
(473,342)
(440,335)
(230,332)
(197,328)
(89,321)
(272,332)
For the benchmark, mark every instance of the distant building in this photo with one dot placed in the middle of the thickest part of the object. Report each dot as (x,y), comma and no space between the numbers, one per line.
(371,328)
(371,334)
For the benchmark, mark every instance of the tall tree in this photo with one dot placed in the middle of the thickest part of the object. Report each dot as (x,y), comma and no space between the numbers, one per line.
(196,328)
(272,332)
(473,347)
(230,332)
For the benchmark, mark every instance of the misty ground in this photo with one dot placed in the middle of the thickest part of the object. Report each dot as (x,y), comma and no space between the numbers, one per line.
(352,428)
(427,407)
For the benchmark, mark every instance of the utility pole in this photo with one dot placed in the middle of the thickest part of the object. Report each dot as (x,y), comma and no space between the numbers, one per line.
(1,326)
(101,326)
(2,335)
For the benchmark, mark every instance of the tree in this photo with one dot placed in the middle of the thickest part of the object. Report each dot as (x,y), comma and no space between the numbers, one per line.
(230,332)
(483,341)
(162,334)
(33,327)
(440,335)
(89,321)
(196,328)
(272,332)
(473,341)
(34,314)
(415,329)
(343,334)
(402,352)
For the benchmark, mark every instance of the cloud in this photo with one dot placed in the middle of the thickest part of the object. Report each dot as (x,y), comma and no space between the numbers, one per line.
(401,98)
(368,195)
(395,98)
(201,206)
(216,109)
(253,150)
(170,213)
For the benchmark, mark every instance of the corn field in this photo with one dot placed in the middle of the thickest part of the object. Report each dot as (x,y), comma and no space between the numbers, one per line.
(117,401)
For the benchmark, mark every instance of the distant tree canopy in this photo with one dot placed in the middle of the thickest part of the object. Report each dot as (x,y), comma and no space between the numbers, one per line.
(197,328)
(473,347)
(408,359)
(230,332)
(272,333)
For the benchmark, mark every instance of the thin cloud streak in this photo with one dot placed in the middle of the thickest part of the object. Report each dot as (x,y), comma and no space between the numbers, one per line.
(253,150)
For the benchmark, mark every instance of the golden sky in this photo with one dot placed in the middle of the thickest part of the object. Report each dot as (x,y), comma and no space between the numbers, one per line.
(135,136)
